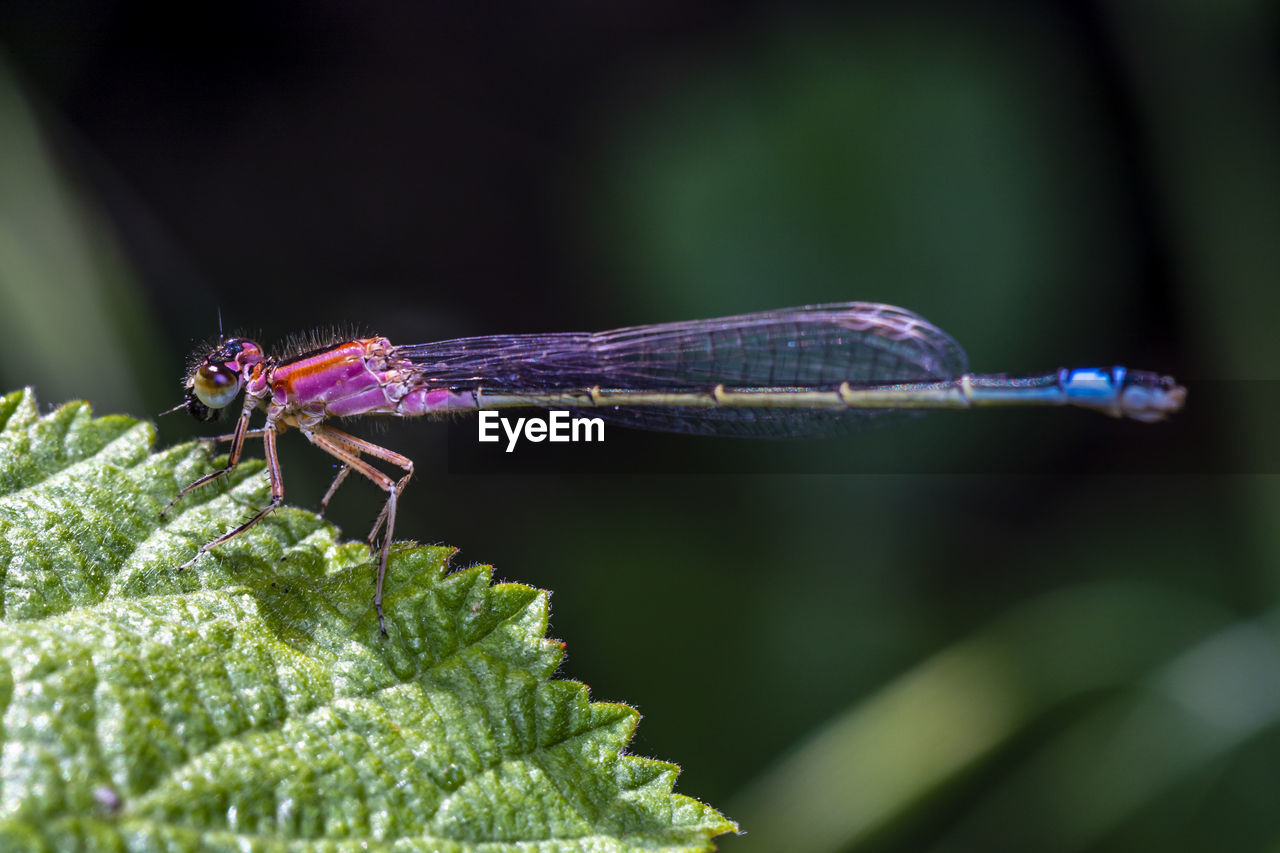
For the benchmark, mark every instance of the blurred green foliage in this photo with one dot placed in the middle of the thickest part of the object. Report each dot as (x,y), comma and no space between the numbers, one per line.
(73,316)
(1052,655)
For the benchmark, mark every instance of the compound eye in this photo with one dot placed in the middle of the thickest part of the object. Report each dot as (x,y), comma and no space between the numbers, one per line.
(215,385)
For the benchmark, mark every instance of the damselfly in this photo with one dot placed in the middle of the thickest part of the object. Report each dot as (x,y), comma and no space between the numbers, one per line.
(811,371)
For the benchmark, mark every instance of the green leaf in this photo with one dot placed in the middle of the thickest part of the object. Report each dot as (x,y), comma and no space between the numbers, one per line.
(249,702)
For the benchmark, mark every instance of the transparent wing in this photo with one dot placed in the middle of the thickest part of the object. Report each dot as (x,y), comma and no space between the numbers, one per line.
(813,347)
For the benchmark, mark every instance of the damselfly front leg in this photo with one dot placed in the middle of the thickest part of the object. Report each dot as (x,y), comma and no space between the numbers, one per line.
(237,438)
(277,494)
(218,439)
(348,449)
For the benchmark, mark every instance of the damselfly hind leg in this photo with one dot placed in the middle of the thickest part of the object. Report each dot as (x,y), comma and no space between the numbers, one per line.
(333,487)
(348,450)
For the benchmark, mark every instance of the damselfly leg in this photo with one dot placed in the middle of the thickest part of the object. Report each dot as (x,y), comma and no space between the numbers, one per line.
(237,438)
(277,494)
(343,471)
(348,450)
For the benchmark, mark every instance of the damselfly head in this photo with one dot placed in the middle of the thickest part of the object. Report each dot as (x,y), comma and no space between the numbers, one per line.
(216,380)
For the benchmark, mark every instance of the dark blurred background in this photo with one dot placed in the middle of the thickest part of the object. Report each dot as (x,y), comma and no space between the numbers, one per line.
(1002,630)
